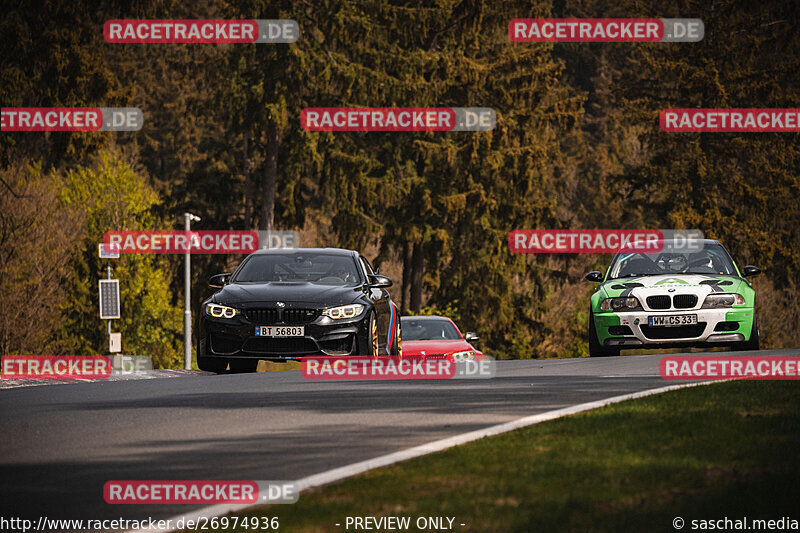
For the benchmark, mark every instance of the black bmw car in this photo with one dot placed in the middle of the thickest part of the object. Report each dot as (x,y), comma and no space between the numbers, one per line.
(284,304)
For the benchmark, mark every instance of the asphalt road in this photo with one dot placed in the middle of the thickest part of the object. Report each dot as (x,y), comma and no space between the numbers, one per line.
(60,443)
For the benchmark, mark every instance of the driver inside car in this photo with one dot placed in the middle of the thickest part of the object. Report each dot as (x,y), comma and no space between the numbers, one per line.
(342,273)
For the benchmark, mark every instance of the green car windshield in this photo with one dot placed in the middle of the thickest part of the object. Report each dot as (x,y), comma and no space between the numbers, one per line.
(712,259)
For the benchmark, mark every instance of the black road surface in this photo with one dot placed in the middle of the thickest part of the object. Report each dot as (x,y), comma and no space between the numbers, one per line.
(62,442)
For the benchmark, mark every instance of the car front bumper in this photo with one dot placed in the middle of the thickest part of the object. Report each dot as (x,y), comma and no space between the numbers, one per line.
(714,327)
(236,339)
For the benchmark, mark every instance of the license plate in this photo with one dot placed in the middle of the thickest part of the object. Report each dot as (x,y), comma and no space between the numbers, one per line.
(672,320)
(280,331)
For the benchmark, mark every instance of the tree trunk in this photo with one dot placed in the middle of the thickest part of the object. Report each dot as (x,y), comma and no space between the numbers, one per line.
(248,186)
(417,276)
(270,175)
(405,297)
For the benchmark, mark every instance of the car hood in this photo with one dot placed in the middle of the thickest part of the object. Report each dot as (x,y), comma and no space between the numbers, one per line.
(700,284)
(289,292)
(434,347)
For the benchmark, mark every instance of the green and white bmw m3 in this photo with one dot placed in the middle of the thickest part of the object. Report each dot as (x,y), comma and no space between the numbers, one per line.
(673,298)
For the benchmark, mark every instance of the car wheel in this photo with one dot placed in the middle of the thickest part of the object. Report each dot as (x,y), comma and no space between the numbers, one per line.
(595,348)
(243,366)
(212,364)
(373,335)
(368,344)
(397,341)
(753,342)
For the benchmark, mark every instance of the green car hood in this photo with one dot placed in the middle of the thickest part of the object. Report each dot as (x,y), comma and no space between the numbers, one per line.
(716,283)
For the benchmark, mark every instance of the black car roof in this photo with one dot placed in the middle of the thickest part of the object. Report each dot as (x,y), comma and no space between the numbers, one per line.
(332,251)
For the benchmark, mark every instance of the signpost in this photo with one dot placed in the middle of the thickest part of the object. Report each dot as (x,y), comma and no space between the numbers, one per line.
(108,251)
(115,342)
(109,297)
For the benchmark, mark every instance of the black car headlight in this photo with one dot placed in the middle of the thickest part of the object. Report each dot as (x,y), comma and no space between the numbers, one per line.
(715,301)
(221,311)
(343,311)
(620,304)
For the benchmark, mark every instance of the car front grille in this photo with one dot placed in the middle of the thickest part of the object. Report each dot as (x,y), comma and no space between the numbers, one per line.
(288,346)
(679,301)
(658,302)
(299,316)
(676,332)
(261,316)
(292,317)
(684,301)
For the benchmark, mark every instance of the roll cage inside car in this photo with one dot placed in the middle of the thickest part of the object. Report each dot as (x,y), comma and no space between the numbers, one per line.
(712,259)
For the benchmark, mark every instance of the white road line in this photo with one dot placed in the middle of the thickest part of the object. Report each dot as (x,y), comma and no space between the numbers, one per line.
(337,474)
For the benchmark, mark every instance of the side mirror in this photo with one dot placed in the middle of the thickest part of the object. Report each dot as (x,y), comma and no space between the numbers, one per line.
(380,281)
(595,276)
(751,270)
(218,281)
(471,336)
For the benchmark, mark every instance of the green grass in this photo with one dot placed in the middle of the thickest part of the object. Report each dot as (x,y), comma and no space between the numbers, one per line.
(728,449)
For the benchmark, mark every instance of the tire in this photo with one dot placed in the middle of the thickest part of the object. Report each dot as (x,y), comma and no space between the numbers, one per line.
(368,345)
(397,342)
(243,366)
(752,344)
(595,348)
(212,364)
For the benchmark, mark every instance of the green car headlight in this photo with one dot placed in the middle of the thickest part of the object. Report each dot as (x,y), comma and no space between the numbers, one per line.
(343,311)
(221,311)
(715,301)
(620,304)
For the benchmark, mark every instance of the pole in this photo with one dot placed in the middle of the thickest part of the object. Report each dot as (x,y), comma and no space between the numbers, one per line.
(187,298)
(108,267)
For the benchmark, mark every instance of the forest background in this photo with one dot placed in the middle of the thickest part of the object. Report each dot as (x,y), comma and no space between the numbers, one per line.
(577,145)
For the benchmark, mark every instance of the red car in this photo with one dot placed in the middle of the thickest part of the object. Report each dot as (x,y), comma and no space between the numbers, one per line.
(437,337)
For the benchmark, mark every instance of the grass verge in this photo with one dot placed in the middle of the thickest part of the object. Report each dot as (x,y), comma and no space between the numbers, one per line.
(723,450)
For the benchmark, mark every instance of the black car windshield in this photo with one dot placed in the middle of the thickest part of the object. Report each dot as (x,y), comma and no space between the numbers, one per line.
(293,267)
(428,330)
(712,259)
